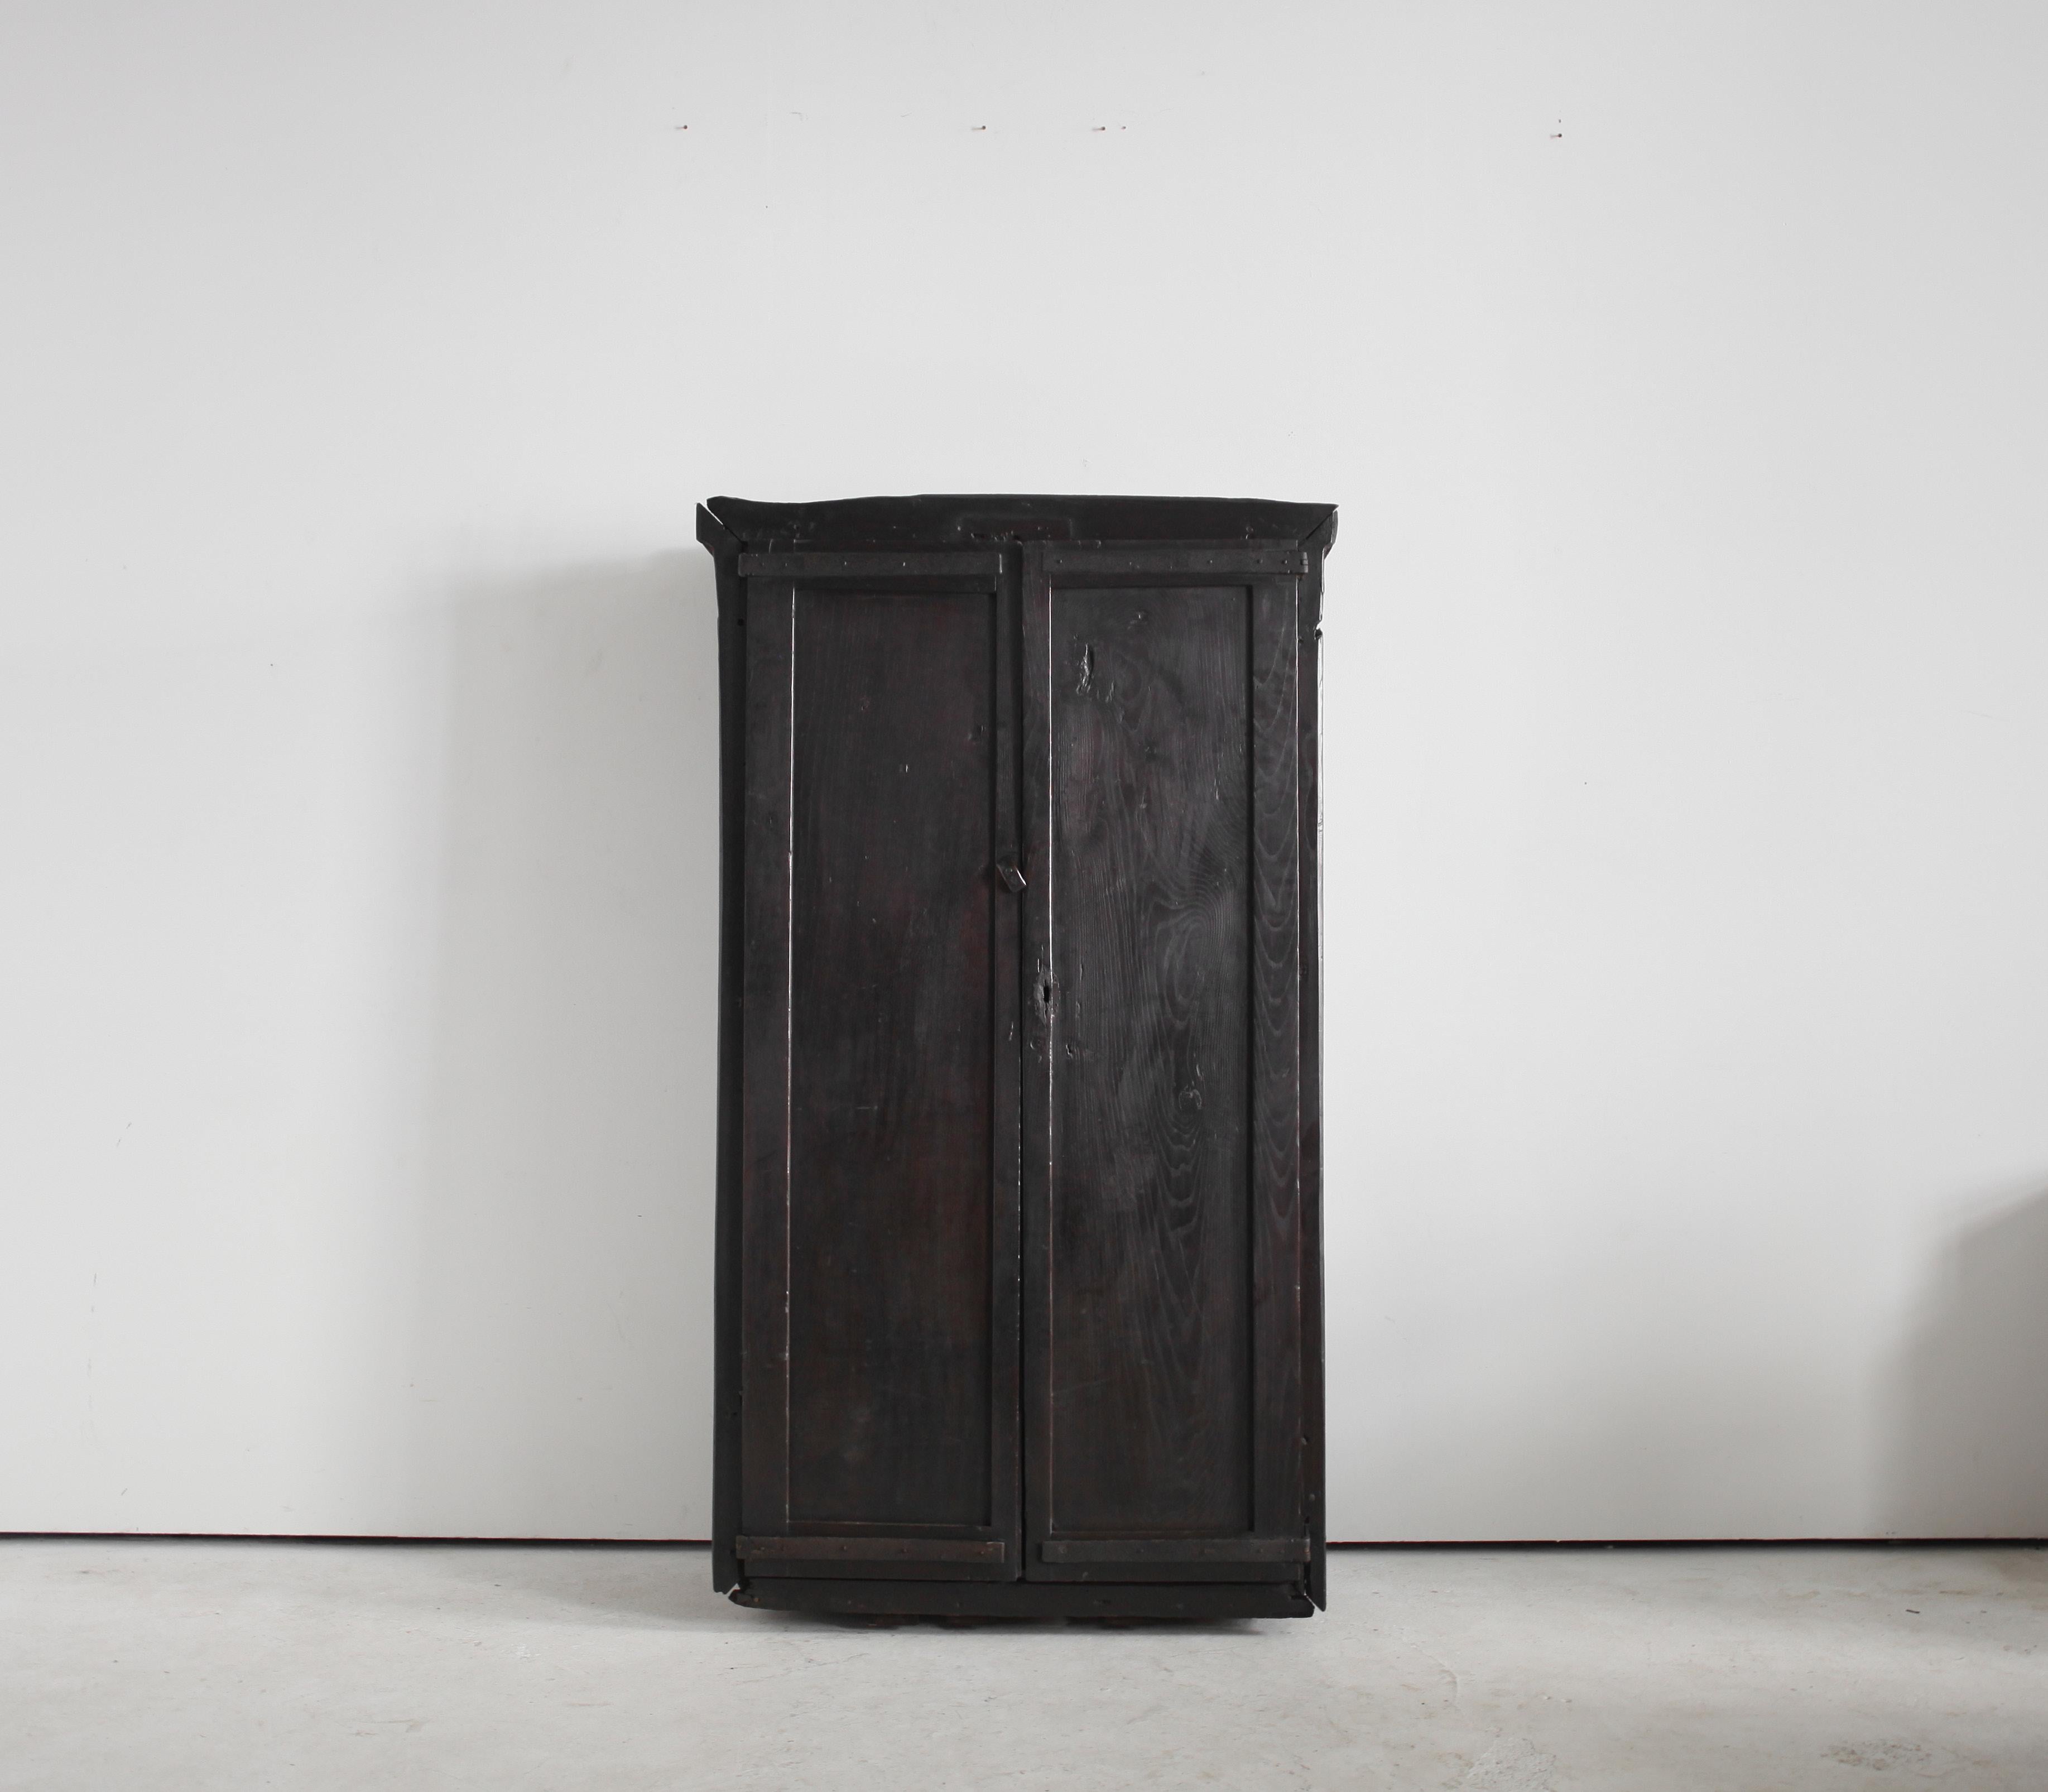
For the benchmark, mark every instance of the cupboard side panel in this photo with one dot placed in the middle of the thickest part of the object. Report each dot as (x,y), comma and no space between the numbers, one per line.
(1149,1345)
(731,961)
(1309,714)
(892,1197)
(1278,1441)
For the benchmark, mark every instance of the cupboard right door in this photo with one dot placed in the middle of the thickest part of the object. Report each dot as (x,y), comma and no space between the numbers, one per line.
(1163,1319)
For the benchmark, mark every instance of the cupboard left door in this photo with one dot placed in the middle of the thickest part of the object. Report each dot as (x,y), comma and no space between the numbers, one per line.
(879,1151)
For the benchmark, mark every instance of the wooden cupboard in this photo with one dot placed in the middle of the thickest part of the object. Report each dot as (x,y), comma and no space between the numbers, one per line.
(1019,1300)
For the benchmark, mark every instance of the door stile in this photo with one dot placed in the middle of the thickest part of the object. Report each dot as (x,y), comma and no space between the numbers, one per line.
(1006,1045)
(1276,1102)
(765,1162)
(1035,1059)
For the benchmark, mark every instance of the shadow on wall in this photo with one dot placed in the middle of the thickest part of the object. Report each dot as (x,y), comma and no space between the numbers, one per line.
(561,1366)
(1970,1437)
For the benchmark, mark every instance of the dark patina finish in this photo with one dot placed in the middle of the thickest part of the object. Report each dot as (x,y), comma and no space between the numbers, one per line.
(1019,1295)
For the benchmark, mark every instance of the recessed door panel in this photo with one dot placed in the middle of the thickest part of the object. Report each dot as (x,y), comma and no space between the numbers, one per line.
(878,1386)
(891,1107)
(1163,1268)
(1151,962)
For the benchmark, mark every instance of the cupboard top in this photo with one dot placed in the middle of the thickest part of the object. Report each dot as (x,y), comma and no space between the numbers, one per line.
(946,521)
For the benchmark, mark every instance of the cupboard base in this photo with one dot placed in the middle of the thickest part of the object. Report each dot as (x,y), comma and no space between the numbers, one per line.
(1025,1599)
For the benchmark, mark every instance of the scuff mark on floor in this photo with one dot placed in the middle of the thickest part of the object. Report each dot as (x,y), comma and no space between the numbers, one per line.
(1513,1764)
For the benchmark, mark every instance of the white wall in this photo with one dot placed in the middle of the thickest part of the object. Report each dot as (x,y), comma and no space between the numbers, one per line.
(1680,373)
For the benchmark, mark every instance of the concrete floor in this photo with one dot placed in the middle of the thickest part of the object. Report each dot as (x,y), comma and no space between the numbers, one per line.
(231,1665)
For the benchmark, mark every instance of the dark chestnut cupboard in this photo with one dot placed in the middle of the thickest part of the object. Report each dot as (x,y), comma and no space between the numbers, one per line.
(1019,1304)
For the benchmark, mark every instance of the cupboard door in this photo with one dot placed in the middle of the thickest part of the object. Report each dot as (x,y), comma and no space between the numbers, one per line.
(878,1179)
(1163,1266)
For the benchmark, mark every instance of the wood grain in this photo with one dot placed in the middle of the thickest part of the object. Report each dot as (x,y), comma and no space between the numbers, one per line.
(1151,865)
(1276,1082)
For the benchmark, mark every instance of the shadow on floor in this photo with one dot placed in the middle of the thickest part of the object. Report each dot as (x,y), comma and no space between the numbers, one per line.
(652,1586)
(560,1365)
(667,1587)
(1969,1428)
